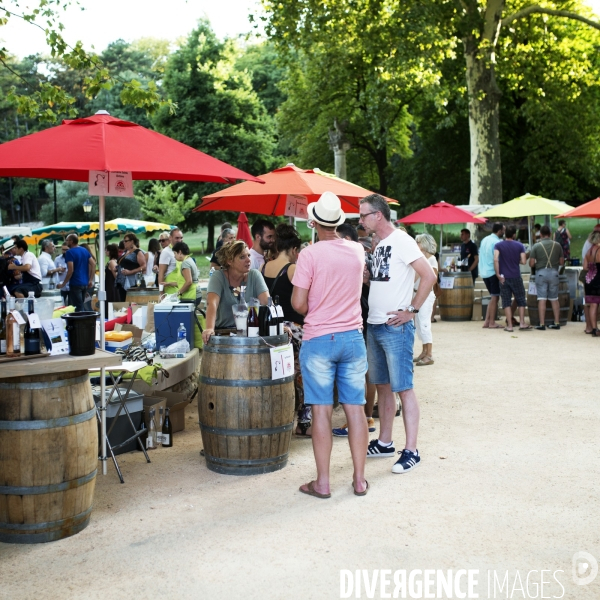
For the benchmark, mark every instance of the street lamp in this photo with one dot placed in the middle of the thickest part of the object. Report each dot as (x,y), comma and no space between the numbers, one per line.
(87,206)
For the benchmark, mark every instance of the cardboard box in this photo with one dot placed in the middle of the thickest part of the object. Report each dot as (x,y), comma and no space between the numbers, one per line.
(136,331)
(176,402)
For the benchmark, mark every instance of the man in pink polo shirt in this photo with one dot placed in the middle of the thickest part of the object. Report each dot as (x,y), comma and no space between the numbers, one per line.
(327,288)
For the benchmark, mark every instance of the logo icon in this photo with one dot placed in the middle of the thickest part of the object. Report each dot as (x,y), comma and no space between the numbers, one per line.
(585,568)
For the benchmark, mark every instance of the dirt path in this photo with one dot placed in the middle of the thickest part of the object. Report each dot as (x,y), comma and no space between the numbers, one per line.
(508,482)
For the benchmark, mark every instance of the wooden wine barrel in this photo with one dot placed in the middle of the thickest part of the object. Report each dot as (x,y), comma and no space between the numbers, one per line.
(48,456)
(246,418)
(564,301)
(456,304)
(142,295)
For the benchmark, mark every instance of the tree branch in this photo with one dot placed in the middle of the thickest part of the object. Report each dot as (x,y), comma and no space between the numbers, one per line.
(535,9)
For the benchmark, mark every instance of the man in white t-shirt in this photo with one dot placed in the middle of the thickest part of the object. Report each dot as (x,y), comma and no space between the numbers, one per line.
(47,265)
(167,262)
(391,331)
(327,287)
(263,235)
(31,274)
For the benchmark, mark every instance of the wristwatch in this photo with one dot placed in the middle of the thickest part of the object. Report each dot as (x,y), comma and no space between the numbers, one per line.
(411,309)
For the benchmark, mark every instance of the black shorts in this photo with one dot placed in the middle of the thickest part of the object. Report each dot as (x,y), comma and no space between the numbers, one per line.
(25,288)
(492,284)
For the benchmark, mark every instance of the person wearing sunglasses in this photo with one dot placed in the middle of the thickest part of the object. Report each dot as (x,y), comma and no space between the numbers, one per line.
(130,264)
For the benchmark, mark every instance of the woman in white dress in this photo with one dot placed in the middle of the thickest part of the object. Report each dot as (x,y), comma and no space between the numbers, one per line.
(428,247)
(151,256)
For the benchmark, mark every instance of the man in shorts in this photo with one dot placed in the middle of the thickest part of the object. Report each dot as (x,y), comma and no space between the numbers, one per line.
(508,256)
(488,274)
(547,257)
(327,287)
(391,331)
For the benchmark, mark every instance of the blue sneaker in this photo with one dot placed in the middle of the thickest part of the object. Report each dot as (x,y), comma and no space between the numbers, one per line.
(375,450)
(407,462)
(343,431)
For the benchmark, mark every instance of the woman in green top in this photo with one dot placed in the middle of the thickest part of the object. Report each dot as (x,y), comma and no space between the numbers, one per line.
(224,287)
(189,290)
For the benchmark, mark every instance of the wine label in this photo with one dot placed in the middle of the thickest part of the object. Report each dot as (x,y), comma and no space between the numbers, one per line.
(149,443)
(280,328)
(272,329)
(34,321)
(159,438)
(273,310)
(16,337)
(18,317)
(166,439)
(252,331)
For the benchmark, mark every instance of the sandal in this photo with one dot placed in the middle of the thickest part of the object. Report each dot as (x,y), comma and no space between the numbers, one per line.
(420,357)
(527,328)
(425,361)
(303,427)
(363,493)
(310,491)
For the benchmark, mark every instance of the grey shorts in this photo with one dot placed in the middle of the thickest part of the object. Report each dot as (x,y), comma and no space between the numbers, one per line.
(546,284)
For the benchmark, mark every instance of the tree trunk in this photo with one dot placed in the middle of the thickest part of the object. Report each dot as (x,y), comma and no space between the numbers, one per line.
(210,237)
(381,160)
(484,117)
(484,106)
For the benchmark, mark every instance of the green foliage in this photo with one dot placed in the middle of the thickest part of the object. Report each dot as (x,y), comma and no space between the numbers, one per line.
(46,102)
(219,112)
(70,196)
(166,203)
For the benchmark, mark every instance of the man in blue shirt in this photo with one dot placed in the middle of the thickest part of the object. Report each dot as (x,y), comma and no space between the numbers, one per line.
(486,270)
(81,268)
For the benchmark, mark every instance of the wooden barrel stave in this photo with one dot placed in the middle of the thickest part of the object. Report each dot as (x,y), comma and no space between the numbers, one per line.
(234,413)
(48,457)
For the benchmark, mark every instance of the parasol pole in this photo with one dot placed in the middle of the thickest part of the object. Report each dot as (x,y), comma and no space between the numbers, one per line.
(441,232)
(102,301)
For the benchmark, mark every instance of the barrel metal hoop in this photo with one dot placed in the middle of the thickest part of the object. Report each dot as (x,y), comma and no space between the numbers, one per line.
(246,432)
(245,382)
(255,462)
(10,490)
(233,350)
(47,525)
(31,385)
(49,423)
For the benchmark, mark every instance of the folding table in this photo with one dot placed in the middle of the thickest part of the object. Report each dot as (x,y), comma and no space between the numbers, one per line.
(116,374)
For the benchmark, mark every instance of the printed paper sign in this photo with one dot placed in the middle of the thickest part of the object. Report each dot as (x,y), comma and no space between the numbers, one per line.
(98,183)
(55,330)
(295,206)
(282,361)
(532,291)
(446,283)
(120,184)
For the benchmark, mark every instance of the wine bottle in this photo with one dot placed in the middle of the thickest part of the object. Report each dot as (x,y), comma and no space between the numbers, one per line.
(280,317)
(271,318)
(13,333)
(253,326)
(159,426)
(151,439)
(2,327)
(31,336)
(167,432)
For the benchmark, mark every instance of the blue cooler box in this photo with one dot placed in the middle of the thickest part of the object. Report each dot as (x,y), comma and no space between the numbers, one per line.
(168,317)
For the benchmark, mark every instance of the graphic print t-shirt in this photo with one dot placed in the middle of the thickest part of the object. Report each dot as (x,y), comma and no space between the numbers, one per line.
(392,277)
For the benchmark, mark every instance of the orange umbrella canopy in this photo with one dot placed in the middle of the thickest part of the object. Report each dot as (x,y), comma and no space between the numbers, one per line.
(243,232)
(285,191)
(589,210)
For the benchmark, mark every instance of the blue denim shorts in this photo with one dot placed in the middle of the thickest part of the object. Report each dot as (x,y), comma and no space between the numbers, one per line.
(339,357)
(390,354)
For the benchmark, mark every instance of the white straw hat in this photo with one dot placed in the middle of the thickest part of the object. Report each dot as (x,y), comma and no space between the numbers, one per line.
(327,210)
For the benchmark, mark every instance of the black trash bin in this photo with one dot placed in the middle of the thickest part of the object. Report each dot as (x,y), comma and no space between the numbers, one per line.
(81,328)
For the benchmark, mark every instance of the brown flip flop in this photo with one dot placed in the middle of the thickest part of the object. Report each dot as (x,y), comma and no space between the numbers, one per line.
(361,493)
(312,492)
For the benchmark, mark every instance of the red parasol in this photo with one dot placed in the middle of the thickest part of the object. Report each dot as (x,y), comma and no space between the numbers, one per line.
(590,210)
(282,186)
(243,232)
(103,143)
(441,213)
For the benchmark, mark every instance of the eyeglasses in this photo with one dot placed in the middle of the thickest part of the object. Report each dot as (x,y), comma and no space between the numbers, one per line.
(363,216)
